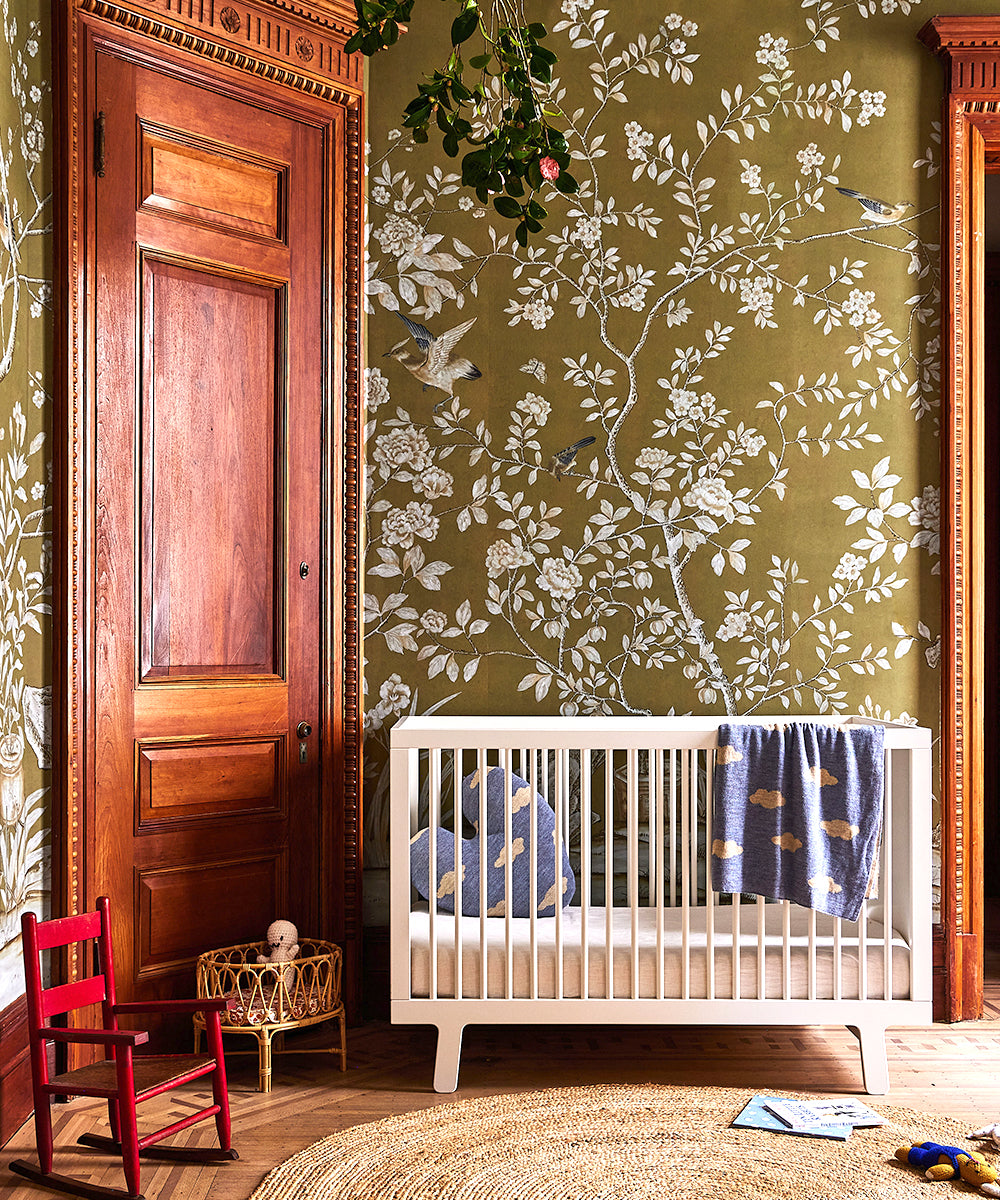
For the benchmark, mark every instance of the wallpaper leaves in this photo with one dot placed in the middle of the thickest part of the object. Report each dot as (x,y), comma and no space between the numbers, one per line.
(25,475)
(697,470)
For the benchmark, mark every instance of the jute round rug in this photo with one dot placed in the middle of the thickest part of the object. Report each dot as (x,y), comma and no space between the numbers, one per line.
(608,1143)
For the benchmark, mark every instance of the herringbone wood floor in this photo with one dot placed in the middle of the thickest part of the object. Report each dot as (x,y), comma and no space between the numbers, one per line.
(941,1069)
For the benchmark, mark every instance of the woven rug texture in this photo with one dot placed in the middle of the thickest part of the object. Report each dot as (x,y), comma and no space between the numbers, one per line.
(609,1143)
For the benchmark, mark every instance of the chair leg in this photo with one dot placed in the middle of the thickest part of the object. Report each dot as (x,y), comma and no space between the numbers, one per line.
(126,1115)
(114,1120)
(264,1072)
(343,1042)
(43,1132)
(220,1090)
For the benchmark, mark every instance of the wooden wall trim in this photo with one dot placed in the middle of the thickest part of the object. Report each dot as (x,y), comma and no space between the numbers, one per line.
(15,1069)
(970,50)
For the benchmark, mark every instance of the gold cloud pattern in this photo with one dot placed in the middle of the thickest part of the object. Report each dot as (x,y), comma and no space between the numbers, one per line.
(840,829)
(788,841)
(517,847)
(727,755)
(727,849)
(447,885)
(767,799)
(824,883)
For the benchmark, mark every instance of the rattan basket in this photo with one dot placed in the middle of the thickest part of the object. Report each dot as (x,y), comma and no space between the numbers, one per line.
(267,1000)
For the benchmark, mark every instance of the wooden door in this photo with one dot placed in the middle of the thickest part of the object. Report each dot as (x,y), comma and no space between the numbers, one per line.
(209,252)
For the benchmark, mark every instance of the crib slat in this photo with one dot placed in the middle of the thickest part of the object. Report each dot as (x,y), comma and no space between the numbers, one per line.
(862,926)
(710,896)
(456,805)
(533,878)
(737,932)
(585,870)
(811,992)
(786,949)
(562,790)
(632,841)
(885,884)
(673,829)
(483,948)
(761,952)
(838,961)
(685,873)
(433,883)
(659,803)
(508,886)
(609,871)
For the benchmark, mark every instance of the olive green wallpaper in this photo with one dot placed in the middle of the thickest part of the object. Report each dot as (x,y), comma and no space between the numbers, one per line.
(679,455)
(25,472)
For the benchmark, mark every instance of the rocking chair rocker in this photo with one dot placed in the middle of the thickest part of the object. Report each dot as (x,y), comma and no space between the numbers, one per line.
(125,1080)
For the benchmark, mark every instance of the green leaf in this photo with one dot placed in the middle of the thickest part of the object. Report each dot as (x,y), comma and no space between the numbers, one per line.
(464,25)
(480,61)
(521,233)
(537,30)
(507,207)
(536,210)
(566,183)
(450,144)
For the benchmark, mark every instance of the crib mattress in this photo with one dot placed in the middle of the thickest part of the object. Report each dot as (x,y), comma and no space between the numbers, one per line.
(795,963)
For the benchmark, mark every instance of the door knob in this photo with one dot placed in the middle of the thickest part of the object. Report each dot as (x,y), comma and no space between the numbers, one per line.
(303,729)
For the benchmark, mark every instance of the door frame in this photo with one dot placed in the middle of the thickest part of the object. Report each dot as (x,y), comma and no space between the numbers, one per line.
(288,47)
(970,50)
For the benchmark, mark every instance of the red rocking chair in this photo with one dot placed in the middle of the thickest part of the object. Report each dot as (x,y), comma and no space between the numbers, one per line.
(123,1078)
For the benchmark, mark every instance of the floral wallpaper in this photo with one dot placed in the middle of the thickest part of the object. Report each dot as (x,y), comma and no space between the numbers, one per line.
(25,474)
(679,455)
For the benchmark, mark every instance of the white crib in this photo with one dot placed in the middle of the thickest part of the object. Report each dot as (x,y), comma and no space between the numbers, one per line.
(645,939)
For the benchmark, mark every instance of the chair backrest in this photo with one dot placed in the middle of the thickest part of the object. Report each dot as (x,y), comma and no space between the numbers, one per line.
(99,988)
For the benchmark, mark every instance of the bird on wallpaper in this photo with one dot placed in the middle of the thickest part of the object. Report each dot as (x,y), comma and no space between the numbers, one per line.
(434,365)
(7,234)
(564,459)
(879,212)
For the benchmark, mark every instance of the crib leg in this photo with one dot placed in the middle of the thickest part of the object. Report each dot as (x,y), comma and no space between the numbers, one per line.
(874,1063)
(449,1051)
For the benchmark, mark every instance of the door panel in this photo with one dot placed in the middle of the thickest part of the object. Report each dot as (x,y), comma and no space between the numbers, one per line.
(209,401)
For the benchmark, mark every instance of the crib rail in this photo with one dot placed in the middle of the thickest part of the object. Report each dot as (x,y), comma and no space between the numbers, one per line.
(644,937)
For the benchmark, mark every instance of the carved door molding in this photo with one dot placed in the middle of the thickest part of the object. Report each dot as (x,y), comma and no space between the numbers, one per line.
(295,49)
(970,50)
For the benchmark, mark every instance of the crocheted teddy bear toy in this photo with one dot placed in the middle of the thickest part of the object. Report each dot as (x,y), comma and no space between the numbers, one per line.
(283,944)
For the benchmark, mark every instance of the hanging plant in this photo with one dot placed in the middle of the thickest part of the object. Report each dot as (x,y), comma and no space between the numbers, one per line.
(501,115)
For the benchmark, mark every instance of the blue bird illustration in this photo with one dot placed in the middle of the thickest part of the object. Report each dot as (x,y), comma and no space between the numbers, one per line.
(564,459)
(878,212)
(434,365)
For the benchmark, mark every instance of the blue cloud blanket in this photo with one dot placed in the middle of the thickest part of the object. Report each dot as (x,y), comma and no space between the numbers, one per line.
(797,813)
(544,853)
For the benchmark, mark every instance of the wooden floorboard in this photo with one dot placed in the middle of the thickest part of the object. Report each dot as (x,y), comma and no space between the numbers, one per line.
(949,1070)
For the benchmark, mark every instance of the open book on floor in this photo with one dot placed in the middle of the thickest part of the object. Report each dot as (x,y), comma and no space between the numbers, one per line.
(771,1113)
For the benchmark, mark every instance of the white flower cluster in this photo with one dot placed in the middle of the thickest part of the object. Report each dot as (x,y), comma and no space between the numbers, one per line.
(434,483)
(772,51)
(711,495)
(537,312)
(752,444)
(399,235)
(394,696)
(872,105)
(634,297)
(925,509)
(810,158)
(689,406)
(638,140)
(750,175)
(676,21)
(573,8)
(535,406)
(734,626)
(402,526)
(859,305)
(381,195)
(651,458)
(758,298)
(850,567)
(504,556)
(560,578)
(587,232)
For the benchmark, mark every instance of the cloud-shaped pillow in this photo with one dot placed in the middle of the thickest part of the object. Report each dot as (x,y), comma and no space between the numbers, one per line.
(523,797)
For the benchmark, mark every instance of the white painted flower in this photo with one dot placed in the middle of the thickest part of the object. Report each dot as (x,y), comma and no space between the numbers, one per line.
(810,158)
(433,621)
(634,297)
(872,105)
(560,578)
(394,694)
(504,556)
(733,626)
(750,175)
(860,305)
(710,495)
(35,93)
(36,308)
(752,444)
(405,446)
(677,46)
(652,458)
(376,388)
(685,404)
(638,140)
(535,406)
(772,51)
(537,312)
(434,483)
(32,47)
(37,490)
(689,28)
(399,235)
(587,232)
(465,203)
(758,298)
(381,195)
(850,567)
(402,526)
(394,135)
(674,21)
